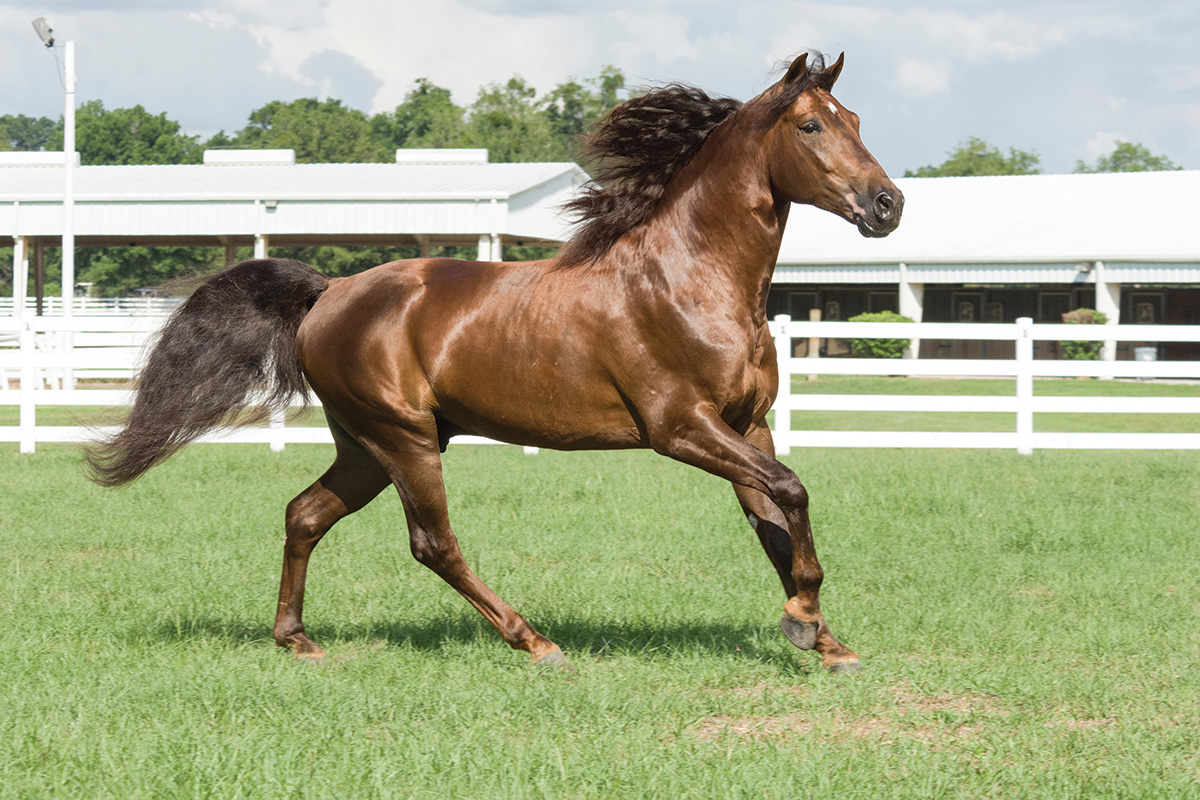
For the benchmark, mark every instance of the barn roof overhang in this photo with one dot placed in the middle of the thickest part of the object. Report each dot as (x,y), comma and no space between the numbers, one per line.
(293,204)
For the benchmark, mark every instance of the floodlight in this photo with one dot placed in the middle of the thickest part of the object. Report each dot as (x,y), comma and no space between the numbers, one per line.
(42,26)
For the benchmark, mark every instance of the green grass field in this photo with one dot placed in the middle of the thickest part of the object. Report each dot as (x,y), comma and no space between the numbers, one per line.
(1028,628)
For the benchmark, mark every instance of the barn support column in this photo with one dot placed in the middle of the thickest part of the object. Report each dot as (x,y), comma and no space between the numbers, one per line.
(261,242)
(1108,303)
(485,247)
(423,243)
(39,274)
(912,305)
(230,254)
(20,274)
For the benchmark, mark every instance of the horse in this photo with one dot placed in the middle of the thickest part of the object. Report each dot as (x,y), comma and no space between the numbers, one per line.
(648,329)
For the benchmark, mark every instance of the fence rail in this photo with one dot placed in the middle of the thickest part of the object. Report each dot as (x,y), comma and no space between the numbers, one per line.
(50,355)
(88,306)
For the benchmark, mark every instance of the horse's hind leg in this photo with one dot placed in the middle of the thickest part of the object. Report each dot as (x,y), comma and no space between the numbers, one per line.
(353,481)
(414,460)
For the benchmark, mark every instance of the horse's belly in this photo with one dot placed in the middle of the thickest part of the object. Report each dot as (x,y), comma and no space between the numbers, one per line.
(540,410)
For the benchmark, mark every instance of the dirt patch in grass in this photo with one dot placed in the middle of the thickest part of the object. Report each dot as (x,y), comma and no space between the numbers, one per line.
(904,718)
(910,700)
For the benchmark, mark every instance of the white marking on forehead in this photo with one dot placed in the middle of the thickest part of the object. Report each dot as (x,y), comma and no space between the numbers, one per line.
(832,107)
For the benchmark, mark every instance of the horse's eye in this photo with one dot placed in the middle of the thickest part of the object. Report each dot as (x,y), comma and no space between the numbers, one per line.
(811,127)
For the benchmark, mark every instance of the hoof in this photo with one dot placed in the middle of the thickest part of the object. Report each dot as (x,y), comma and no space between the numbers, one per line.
(845,667)
(304,649)
(800,633)
(554,660)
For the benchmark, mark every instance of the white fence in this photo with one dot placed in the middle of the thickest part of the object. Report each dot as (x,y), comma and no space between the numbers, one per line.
(49,355)
(89,306)
(1023,333)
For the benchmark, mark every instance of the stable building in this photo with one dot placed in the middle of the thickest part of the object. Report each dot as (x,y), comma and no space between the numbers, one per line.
(980,249)
(992,249)
(263,198)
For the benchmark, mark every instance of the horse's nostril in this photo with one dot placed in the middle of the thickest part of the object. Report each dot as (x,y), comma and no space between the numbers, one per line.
(884,205)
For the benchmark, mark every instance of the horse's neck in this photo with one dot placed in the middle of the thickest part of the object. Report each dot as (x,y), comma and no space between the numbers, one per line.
(726,217)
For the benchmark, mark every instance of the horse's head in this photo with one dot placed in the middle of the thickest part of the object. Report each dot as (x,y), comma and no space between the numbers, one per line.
(817,157)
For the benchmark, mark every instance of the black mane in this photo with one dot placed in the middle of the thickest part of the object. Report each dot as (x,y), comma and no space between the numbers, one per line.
(637,149)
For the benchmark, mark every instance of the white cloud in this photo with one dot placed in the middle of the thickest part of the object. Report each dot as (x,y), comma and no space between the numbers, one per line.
(1101,144)
(921,79)
(444,40)
(1034,74)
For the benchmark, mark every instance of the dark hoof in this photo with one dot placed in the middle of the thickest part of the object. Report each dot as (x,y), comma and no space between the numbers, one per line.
(554,660)
(847,667)
(800,633)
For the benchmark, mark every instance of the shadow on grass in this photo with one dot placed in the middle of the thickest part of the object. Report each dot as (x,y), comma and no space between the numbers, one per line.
(600,639)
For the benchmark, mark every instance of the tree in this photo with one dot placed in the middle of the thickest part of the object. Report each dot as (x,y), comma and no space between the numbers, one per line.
(19,132)
(128,136)
(320,131)
(426,118)
(1128,157)
(572,108)
(976,157)
(115,271)
(506,120)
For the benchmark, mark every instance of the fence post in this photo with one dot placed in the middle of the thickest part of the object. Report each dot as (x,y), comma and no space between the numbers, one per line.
(814,342)
(1024,348)
(275,425)
(27,416)
(783,401)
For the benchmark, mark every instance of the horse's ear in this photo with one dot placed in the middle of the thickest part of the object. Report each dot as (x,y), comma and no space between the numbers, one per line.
(797,69)
(830,75)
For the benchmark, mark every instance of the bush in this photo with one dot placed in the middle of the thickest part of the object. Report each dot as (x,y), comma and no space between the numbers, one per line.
(1083,351)
(879,348)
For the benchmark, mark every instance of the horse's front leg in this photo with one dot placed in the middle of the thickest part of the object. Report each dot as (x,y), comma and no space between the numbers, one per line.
(776,503)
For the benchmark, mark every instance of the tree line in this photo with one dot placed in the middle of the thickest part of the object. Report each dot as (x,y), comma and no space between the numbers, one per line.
(511,120)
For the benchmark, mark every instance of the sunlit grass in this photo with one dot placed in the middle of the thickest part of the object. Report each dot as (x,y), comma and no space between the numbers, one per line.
(1027,624)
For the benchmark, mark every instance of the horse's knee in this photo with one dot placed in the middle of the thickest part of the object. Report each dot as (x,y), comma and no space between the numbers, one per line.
(789,493)
(428,548)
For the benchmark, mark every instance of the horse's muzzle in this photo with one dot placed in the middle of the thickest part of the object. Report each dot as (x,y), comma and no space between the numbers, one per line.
(883,214)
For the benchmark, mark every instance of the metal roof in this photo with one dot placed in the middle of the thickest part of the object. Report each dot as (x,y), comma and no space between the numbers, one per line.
(294,182)
(1136,217)
(293,203)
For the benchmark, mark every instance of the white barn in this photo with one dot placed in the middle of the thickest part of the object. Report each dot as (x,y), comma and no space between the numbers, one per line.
(969,249)
(263,198)
(998,248)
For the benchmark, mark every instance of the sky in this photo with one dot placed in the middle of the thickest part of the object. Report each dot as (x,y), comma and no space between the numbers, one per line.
(1064,79)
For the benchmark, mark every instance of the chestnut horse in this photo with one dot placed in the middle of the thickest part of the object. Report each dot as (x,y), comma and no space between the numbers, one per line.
(648,329)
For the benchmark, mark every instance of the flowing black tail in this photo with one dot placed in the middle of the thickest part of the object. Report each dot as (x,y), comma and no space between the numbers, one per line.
(233,341)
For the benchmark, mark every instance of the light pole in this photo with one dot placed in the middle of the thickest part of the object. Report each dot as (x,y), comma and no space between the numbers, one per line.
(42,26)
